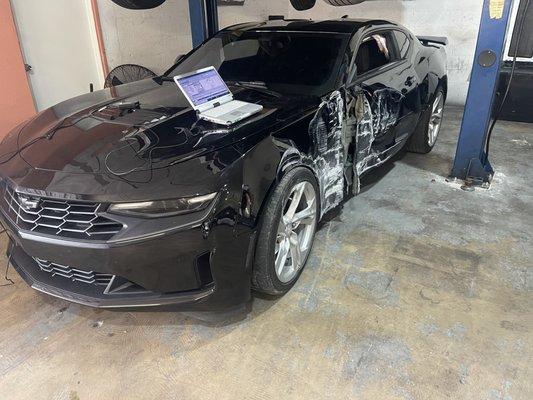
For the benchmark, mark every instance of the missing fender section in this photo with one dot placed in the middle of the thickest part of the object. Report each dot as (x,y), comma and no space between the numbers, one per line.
(365,134)
(328,159)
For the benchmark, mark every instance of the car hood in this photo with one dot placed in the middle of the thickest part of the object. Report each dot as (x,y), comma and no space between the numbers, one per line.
(142,126)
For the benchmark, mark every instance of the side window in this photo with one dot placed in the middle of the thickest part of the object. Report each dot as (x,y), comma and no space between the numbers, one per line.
(350,50)
(403,42)
(345,66)
(374,52)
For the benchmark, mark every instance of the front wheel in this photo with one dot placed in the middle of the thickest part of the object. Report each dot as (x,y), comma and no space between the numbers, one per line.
(427,132)
(286,232)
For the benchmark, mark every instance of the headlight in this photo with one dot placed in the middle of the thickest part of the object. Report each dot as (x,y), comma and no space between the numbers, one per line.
(163,208)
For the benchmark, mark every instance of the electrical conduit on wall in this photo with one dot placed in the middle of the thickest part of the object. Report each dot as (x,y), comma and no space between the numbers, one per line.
(99,37)
(16,102)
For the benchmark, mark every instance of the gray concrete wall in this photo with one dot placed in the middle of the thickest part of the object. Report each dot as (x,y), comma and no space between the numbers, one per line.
(252,10)
(456,19)
(152,38)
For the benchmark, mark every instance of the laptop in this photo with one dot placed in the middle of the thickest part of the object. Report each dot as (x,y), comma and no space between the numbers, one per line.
(211,98)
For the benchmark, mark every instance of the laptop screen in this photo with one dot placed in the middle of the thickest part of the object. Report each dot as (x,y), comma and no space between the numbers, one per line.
(203,87)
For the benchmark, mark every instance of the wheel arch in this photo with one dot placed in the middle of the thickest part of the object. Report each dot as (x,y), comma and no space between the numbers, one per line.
(284,157)
(444,85)
(291,159)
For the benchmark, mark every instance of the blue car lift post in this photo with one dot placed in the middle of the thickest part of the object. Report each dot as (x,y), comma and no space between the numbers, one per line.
(471,161)
(204,20)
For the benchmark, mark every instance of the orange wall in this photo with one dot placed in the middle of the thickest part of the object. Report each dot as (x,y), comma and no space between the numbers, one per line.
(16,102)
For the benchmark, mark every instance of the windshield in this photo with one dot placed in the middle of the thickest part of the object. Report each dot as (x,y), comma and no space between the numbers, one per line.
(288,62)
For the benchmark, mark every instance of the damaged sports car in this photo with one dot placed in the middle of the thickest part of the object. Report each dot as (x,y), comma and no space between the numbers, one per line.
(125,197)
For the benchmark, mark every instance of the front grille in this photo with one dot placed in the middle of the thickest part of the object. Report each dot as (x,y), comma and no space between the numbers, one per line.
(75,275)
(72,219)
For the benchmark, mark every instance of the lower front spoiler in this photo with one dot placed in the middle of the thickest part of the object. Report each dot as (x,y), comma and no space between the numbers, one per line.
(182,298)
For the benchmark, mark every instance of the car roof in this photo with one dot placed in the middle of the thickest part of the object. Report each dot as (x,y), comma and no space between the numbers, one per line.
(341,25)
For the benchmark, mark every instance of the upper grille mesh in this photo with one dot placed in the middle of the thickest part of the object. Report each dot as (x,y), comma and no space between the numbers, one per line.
(73,219)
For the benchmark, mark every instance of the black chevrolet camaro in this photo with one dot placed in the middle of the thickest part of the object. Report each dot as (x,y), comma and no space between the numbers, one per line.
(124,197)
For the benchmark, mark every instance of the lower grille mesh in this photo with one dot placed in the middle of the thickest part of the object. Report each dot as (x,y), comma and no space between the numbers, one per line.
(76,275)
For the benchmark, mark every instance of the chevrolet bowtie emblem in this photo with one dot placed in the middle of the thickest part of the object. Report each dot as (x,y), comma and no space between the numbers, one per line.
(28,203)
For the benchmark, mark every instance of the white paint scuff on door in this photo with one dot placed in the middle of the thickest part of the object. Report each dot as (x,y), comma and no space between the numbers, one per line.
(371,124)
(332,130)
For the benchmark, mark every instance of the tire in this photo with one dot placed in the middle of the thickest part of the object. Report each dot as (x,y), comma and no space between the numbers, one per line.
(139,4)
(343,2)
(274,240)
(424,138)
(302,5)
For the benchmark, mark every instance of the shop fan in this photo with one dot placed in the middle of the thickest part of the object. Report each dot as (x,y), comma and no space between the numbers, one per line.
(127,73)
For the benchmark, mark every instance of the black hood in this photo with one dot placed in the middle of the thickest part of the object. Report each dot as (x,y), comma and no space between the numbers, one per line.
(90,148)
(95,134)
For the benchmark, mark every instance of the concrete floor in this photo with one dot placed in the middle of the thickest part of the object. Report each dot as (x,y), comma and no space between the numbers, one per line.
(414,290)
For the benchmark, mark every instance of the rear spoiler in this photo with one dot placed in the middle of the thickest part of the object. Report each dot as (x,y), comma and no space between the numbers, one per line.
(433,40)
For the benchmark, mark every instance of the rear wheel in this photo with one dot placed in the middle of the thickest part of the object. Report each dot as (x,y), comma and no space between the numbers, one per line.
(286,233)
(427,132)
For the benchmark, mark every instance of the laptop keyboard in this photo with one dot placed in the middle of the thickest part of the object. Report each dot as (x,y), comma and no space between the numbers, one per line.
(227,108)
(232,112)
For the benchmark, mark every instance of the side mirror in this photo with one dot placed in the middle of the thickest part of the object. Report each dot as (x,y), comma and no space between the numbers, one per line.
(179,58)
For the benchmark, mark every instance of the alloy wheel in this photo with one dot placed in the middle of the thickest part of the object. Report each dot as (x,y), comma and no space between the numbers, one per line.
(296,230)
(435,119)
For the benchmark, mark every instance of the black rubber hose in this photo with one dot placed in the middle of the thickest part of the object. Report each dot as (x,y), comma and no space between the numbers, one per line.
(506,94)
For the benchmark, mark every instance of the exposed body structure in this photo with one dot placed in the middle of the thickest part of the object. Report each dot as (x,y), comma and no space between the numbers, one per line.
(124,197)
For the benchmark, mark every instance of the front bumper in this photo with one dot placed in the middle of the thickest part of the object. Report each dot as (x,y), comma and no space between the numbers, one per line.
(182,267)
(91,295)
